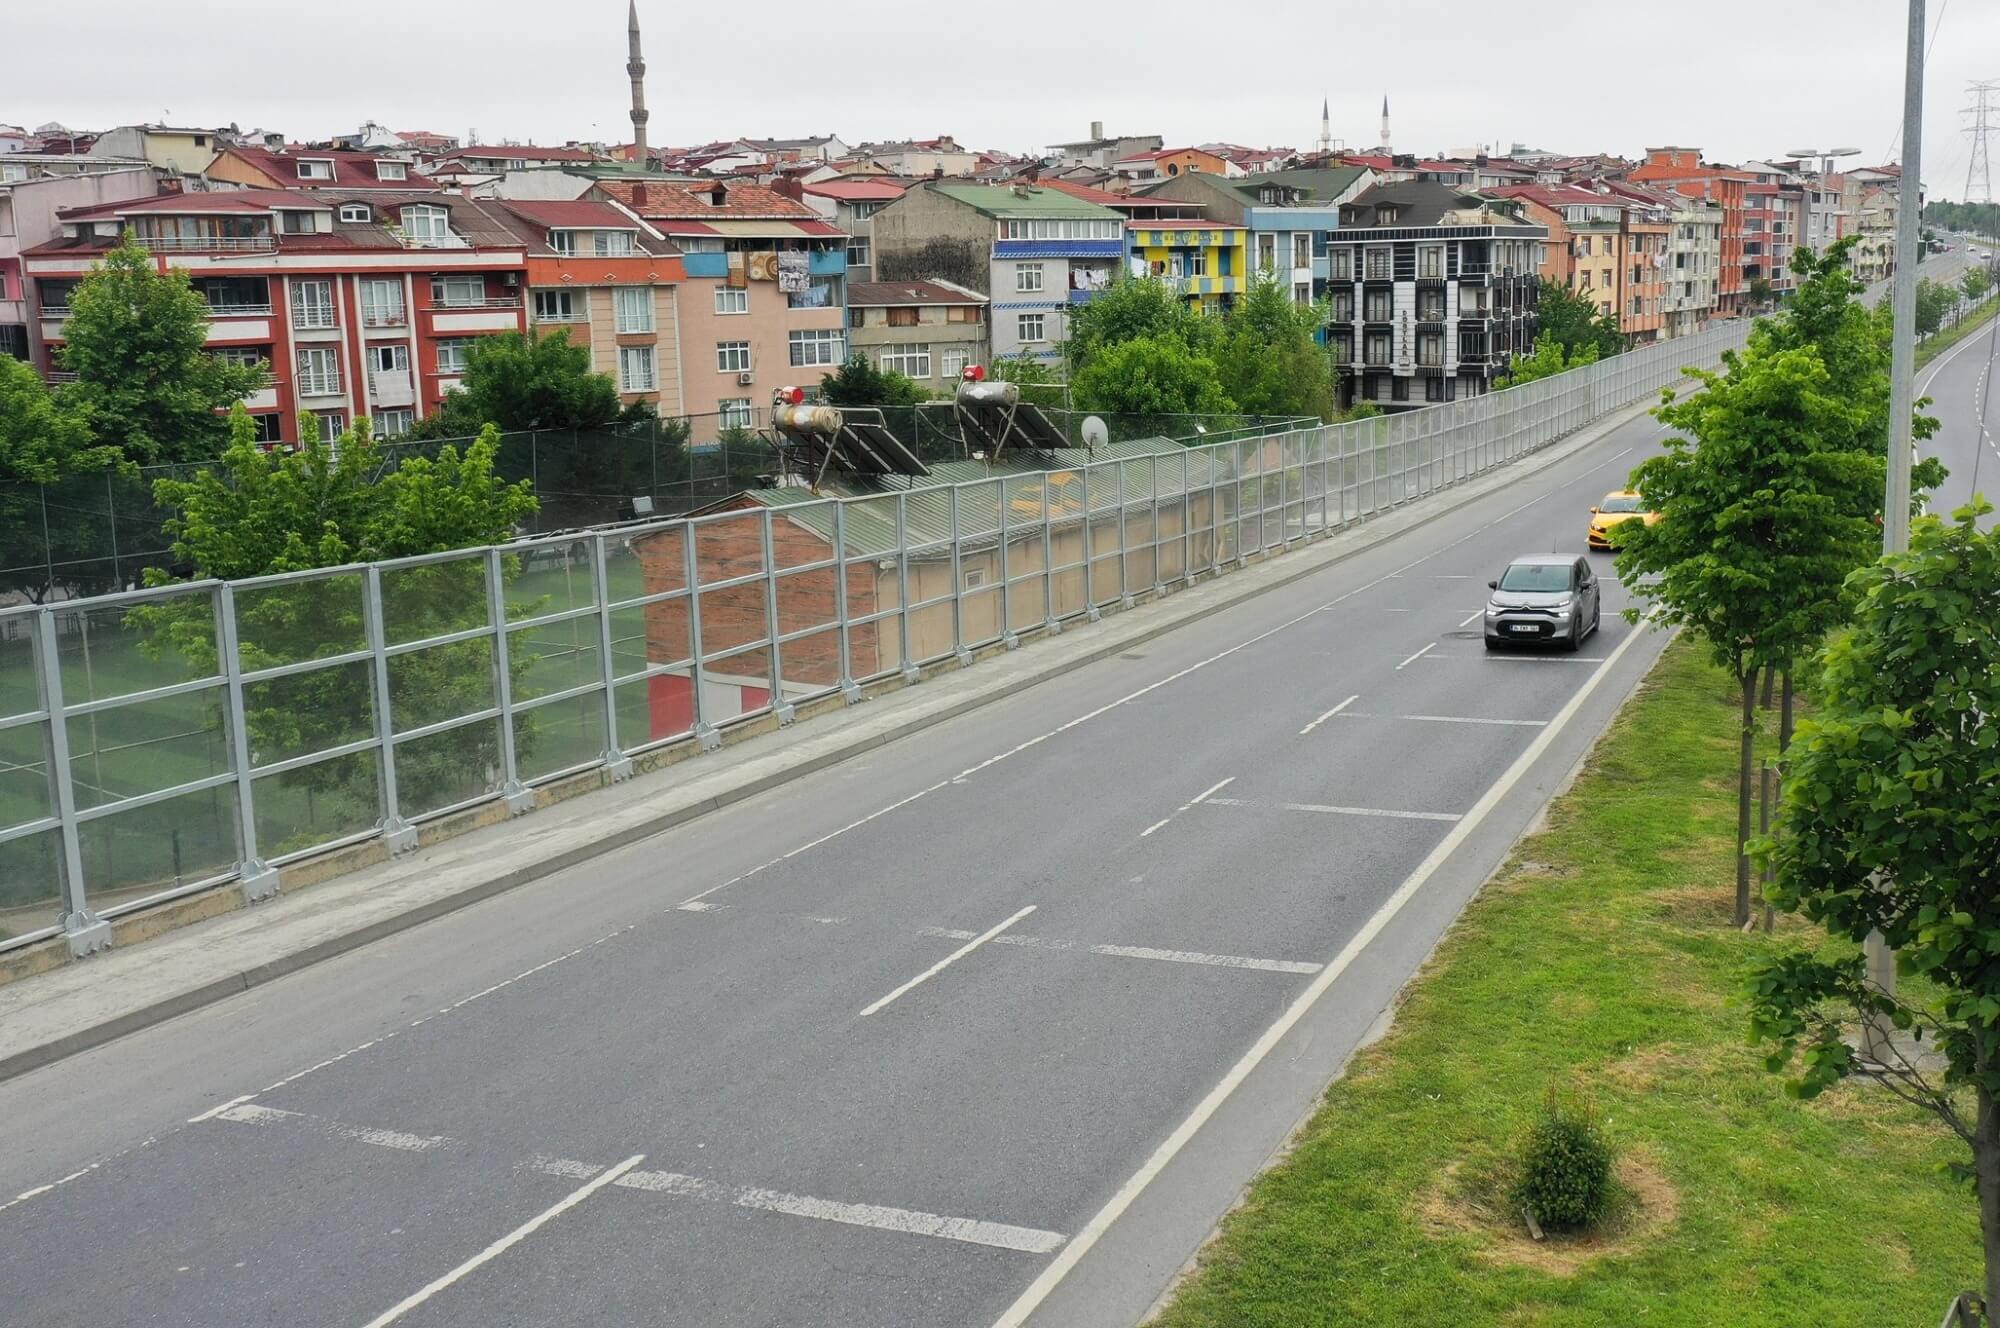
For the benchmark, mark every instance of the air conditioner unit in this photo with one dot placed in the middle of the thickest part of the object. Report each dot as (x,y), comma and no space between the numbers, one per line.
(745,378)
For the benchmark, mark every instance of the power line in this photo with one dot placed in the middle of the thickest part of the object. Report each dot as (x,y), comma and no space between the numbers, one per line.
(1977,165)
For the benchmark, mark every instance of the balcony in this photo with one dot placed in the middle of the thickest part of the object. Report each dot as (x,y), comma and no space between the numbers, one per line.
(217,244)
(393,317)
(240,310)
(446,241)
(319,385)
(478,302)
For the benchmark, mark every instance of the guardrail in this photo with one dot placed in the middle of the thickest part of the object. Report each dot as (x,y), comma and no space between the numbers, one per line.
(159,742)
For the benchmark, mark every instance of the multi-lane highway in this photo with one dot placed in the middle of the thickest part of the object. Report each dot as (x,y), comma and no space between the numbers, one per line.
(985,1027)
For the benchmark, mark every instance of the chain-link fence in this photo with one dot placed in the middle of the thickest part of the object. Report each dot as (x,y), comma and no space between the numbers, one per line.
(158,742)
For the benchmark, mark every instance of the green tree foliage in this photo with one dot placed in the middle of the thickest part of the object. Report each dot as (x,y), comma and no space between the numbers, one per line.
(1576,323)
(45,441)
(326,505)
(1269,361)
(1978,281)
(1760,292)
(1038,380)
(857,382)
(1150,376)
(1548,360)
(525,382)
(1966,218)
(1891,812)
(1764,512)
(137,341)
(1132,308)
(1934,301)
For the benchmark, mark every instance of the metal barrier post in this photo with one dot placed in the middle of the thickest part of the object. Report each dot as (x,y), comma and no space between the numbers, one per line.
(704,732)
(781,709)
(83,930)
(1049,623)
(518,797)
(1090,612)
(615,761)
(1007,637)
(1124,550)
(910,673)
(398,835)
(1187,522)
(958,646)
(849,689)
(255,877)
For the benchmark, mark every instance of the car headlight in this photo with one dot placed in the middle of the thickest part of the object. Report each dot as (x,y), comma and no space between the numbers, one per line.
(1564,603)
(1492,610)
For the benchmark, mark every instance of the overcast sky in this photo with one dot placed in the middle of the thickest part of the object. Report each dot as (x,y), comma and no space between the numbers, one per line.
(1737,80)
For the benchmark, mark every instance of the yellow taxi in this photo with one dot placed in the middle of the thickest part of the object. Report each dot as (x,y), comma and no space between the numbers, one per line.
(1611,512)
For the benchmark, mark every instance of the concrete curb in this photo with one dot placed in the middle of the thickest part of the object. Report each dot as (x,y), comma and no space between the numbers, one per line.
(1112,640)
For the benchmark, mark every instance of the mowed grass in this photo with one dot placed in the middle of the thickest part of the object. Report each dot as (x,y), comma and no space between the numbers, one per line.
(1602,959)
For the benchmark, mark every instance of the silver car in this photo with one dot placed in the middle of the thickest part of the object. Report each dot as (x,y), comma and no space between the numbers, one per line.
(1550,598)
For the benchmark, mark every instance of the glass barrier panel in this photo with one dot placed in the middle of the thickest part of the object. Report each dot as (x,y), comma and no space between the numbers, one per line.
(131,855)
(295,621)
(434,599)
(329,800)
(302,713)
(30,885)
(146,746)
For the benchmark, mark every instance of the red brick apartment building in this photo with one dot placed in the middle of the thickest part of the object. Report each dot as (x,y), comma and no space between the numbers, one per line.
(1682,170)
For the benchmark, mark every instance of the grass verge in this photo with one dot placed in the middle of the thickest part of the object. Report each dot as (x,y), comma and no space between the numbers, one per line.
(1601,957)
(1973,321)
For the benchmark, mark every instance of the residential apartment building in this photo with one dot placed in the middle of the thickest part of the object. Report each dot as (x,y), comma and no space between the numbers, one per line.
(924,157)
(1290,215)
(185,151)
(851,203)
(1166,163)
(309,168)
(1873,257)
(1773,221)
(1693,292)
(1035,251)
(1433,293)
(1206,262)
(1099,151)
(30,206)
(762,298)
(928,331)
(1682,170)
(361,304)
(1607,246)
(610,280)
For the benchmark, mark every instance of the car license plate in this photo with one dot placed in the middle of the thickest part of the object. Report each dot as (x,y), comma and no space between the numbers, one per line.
(1522,627)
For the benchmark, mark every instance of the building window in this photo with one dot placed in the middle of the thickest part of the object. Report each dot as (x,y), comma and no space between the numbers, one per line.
(1340,264)
(291,221)
(1340,306)
(1430,350)
(732,356)
(1028,328)
(910,359)
(635,369)
(563,242)
(394,423)
(391,170)
(1439,389)
(904,316)
(315,170)
(1381,306)
(613,244)
(817,346)
(1472,301)
(1606,275)
(427,226)
(555,306)
(634,308)
(1583,245)
(332,424)
(857,251)
(243,357)
(1267,252)
(1430,306)
(319,372)
(952,362)
(451,354)
(393,358)
(458,292)
(1302,292)
(270,428)
(1061,229)
(1377,348)
(734,413)
(312,304)
(382,303)
(1380,265)
(1399,389)
(1583,279)
(355,213)
(732,300)
(1302,249)
(1027,277)
(1430,261)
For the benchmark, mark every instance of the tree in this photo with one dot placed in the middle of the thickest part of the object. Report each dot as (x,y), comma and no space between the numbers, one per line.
(1760,292)
(1891,808)
(1132,308)
(526,382)
(1934,301)
(1038,381)
(325,505)
(1976,283)
(1575,321)
(1763,514)
(137,341)
(1269,360)
(44,441)
(857,382)
(1548,360)
(1150,376)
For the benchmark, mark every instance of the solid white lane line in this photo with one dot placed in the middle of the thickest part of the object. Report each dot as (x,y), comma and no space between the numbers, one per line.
(1135,952)
(1524,659)
(506,1242)
(1329,714)
(249,1113)
(947,961)
(1452,719)
(905,1221)
(1337,811)
(1419,655)
(1195,801)
(1471,618)
(1081,1243)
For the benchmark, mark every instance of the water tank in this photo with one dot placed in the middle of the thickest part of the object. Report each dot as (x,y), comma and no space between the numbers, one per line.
(989,393)
(823,420)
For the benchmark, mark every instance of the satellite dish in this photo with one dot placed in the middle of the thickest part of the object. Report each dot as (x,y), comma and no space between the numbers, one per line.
(1095,434)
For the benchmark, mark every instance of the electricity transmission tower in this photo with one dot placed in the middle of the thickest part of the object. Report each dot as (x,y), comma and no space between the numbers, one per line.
(1977,166)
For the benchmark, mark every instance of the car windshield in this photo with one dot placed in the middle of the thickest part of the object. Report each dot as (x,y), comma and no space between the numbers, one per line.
(1620,502)
(1536,577)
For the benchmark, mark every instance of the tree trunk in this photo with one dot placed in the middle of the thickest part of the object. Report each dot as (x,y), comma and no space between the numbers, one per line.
(1785,717)
(1986,1168)
(1770,677)
(1746,750)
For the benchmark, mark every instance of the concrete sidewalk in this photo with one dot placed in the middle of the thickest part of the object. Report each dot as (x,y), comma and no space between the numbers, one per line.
(57,1013)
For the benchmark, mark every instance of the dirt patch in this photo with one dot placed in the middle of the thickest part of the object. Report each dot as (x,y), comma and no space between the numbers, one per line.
(1647,1205)
(1702,906)
(1646,1070)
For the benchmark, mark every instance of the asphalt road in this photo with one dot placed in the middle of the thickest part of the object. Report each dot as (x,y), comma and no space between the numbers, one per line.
(1958,384)
(986,1027)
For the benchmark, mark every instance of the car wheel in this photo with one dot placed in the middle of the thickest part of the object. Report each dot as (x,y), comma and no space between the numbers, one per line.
(1574,642)
(1492,643)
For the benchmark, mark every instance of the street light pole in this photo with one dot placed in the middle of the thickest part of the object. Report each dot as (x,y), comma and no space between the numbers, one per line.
(1880,961)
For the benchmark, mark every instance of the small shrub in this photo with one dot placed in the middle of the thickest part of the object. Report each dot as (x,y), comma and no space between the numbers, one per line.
(1565,1166)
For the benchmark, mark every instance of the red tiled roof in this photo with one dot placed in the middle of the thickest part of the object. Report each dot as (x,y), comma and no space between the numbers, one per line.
(524,152)
(222,200)
(818,228)
(689,200)
(866,189)
(582,213)
(1168,152)
(355,170)
(1090,194)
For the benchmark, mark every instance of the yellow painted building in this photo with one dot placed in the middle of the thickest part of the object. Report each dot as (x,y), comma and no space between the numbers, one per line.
(1207,262)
